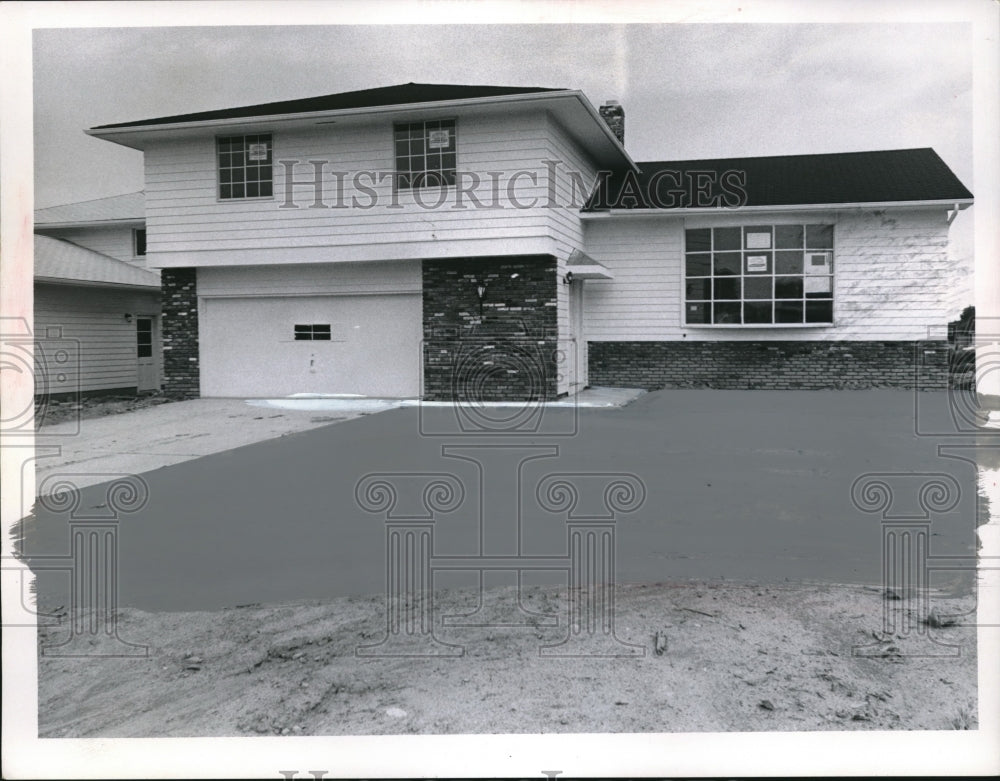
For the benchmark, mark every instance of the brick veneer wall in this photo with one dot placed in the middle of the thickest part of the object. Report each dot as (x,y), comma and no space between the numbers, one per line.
(508,353)
(769,365)
(180,332)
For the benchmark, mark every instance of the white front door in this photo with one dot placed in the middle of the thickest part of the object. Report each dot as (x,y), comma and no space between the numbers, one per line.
(144,353)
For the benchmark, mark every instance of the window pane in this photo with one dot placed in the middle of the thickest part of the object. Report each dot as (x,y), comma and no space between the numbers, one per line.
(699,313)
(788,236)
(448,161)
(788,287)
(819,237)
(698,240)
(788,311)
(144,351)
(728,238)
(757,312)
(818,286)
(699,265)
(757,237)
(727,287)
(726,312)
(699,290)
(225,191)
(757,262)
(788,262)
(266,189)
(727,263)
(759,287)
(819,311)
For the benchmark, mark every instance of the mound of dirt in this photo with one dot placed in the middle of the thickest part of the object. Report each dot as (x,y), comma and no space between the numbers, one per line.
(686,657)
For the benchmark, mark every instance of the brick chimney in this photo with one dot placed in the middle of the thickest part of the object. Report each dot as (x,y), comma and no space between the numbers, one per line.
(614,115)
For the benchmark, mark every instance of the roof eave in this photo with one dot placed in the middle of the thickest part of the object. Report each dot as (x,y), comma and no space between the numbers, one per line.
(151,287)
(122,135)
(948,203)
(90,223)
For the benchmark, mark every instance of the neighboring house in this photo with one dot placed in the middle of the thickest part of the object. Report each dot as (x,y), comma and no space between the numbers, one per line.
(96,309)
(448,241)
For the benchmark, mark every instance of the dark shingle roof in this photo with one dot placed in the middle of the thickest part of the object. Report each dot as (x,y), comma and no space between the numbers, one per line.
(366,98)
(788,180)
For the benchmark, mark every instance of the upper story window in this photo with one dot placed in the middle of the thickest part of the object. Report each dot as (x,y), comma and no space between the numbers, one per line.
(759,275)
(244,166)
(425,153)
(139,242)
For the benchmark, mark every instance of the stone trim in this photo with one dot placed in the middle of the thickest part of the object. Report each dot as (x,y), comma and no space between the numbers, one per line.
(770,365)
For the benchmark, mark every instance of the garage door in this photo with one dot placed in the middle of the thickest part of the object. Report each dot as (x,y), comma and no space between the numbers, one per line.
(266,347)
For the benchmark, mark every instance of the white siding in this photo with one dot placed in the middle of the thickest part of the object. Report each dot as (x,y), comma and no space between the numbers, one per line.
(564,199)
(188,226)
(892,278)
(112,240)
(318,279)
(84,337)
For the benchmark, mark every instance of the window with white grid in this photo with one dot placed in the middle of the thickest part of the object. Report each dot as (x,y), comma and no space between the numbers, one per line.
(759,275)
(244,166)
(425,153)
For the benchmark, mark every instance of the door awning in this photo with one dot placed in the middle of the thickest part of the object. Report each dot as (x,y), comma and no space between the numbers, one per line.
(582,266)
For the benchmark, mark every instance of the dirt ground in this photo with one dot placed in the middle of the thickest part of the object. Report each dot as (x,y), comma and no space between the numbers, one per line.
(731,658)
(50,412)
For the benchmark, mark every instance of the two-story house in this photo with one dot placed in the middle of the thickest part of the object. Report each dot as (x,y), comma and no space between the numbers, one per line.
(499,243)
(97,306)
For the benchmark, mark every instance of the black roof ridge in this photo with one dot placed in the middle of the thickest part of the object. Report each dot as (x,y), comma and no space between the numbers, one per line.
(790,157)
(917,174)
(308,104)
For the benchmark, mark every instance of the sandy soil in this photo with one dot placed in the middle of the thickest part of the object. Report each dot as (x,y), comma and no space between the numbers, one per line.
(733,658)
(50,412)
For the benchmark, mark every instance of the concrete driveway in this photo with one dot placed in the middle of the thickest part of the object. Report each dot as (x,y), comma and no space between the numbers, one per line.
(742,485)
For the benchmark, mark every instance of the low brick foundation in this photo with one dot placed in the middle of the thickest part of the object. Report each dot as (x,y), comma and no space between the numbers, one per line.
(769,365)
(504,350)
(180,332)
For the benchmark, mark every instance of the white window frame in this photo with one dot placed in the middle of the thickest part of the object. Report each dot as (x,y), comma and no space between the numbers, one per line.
(745,228)
(442,172)
(135,243)
(243,166)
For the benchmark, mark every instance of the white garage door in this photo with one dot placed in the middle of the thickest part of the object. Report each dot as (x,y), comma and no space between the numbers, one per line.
(267,347)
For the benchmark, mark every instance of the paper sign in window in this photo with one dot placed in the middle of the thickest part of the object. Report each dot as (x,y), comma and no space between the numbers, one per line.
(756,262)
(256,151)
(759,240)
(437,139)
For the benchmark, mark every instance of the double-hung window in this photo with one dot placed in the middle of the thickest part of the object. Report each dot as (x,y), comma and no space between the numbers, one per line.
(425,153)
(244,166)
(759,275)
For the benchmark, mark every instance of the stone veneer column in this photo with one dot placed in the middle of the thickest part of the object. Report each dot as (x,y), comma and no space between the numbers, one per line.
(504,350)
(180,332)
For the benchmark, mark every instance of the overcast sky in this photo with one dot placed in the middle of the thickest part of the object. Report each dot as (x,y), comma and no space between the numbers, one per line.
(688,90)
